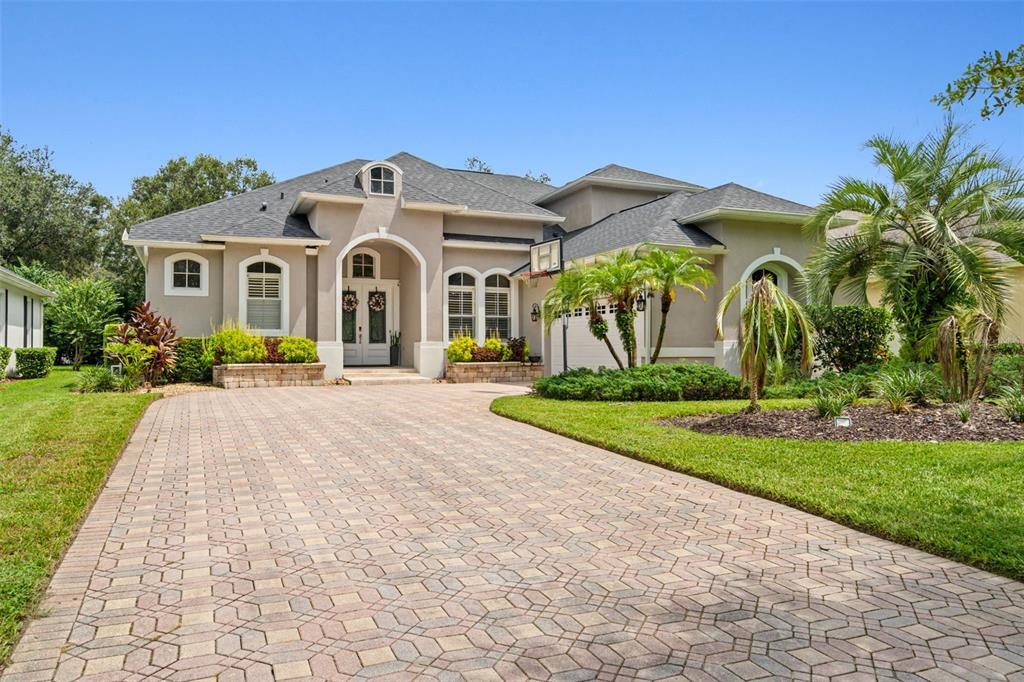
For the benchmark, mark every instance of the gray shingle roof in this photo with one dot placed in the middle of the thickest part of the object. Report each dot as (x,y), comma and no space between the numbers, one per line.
(669,220)
(513,185)
(241,215)
(614,171)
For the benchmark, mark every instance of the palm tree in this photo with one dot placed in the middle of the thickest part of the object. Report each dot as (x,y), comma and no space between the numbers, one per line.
(668,270)
(574,288)
(931,236)
(966,348)
(769,323)
(621,278)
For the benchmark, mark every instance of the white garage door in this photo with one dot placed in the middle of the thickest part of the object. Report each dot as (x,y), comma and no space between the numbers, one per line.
(584,349)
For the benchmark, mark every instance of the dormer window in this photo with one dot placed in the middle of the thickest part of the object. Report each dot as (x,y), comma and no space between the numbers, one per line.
(382,181)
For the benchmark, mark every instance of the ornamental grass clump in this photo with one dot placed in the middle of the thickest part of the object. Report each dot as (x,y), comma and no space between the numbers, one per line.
(830,402)
(1013,403)
(902,388)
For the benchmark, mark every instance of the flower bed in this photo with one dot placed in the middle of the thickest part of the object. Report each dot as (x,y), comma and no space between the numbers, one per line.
(494,372)
(257,375)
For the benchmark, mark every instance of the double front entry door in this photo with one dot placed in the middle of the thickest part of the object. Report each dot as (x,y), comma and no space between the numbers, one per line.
(369,315)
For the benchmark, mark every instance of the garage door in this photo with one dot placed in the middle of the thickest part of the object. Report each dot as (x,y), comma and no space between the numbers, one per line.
(584,349)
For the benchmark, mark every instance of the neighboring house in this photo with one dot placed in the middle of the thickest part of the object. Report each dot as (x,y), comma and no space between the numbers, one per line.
(21,314)
(351,254)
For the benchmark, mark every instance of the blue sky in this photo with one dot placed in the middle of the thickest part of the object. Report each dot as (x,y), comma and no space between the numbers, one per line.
(779,97)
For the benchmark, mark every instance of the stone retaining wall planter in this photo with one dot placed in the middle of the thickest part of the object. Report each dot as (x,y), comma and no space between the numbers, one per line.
(494,372)
(267,374)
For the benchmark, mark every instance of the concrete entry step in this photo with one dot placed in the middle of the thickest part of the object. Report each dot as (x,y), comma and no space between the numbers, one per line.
(381,376)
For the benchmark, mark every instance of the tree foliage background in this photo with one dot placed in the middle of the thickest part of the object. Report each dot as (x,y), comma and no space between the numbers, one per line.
(55,228)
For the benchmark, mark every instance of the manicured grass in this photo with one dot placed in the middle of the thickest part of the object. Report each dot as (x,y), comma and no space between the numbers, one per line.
(56,449)
(964,501)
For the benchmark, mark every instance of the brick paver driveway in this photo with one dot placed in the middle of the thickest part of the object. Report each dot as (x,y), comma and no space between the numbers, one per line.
(406,531)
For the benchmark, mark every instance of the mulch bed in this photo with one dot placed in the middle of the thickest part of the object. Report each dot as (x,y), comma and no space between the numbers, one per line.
(870,422)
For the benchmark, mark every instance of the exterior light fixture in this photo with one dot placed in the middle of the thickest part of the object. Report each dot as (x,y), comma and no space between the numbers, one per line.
(641,303)
(535,312)
(842,422)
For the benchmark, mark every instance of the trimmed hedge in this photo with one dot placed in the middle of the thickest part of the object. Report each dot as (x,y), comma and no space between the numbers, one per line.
(34,363)
(191,365)
(850,335)
(5,357)
(684,381)
(297,349)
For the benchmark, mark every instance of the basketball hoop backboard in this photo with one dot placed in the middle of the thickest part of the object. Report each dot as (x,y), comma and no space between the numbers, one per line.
(546,256)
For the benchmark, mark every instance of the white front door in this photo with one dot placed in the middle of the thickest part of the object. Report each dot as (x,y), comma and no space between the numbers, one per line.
(369,315)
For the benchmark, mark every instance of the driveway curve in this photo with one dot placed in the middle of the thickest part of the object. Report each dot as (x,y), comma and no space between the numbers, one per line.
(406,532)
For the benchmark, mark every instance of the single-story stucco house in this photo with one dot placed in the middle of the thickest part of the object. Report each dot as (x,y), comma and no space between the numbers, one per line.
(21,314)
(352,254)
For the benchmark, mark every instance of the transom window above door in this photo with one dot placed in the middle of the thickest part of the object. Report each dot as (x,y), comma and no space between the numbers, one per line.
(382,181)
(363,265)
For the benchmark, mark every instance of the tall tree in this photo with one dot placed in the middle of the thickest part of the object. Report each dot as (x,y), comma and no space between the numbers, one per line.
(667,271)
(622,278)
(929,235)
(475,163)
(45,215)
(999,77)
(177,185)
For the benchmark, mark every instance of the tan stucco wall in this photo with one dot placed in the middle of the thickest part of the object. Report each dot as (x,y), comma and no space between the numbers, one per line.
(591,203)
(454,224)
(1013,329)
(745,243)
(192,315)
(691,320)
(342,224)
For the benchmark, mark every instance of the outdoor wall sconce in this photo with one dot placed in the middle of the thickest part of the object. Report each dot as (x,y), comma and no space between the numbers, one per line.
(641,303)
(535,312)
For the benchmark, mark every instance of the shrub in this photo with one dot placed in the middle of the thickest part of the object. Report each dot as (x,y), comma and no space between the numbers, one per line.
(1007,370)
(232,344)
(272,344)
(519,349)
(192,366)
(900,388)
(831,402)
(80,312)
(461,349)
(1013,403)
(97,380)
(683,381)
(5,357)
(485,354)
(1008,348)
(134,358)
(850,335)
(34,363)
(159,334)
(298,349)
(498,350)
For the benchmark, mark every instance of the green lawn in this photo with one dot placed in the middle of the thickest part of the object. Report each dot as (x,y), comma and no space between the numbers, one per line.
(56,449)
(960,500)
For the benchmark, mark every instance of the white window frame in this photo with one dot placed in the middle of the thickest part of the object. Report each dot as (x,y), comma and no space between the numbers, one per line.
(243,290)
(204,275)
(350,264)
(383,169)
(476,301)
(500,290)
(480,301)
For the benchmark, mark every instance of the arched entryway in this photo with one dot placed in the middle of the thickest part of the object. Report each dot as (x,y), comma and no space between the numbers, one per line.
(380,301)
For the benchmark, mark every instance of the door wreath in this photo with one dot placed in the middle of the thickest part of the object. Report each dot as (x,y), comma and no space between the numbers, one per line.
(376,301)
(349,302)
